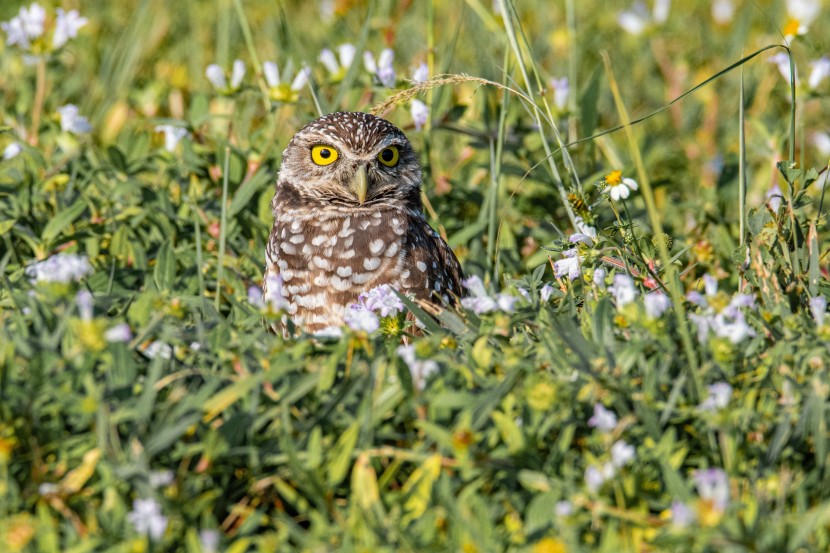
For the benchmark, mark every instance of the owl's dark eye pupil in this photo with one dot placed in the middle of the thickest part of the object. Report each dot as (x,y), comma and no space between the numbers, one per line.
(387,155)
(325,154)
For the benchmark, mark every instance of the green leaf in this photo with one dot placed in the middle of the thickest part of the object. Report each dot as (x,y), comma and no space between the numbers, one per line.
(61,222)
(341,455)
(164,273)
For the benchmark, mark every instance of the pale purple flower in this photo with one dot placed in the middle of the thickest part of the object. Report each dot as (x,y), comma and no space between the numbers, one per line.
(61,267)
(361,319)
(723,11)
(146,518)
(255,297)
(26,26)
(595,477)
(710,284)
(603,420)
(48,488)
(713,485)
(421,73)
(623,290)
(820,71)
(545,292)
(209,540)
(561,90)
(623,190)
(83,299)
(420,114)
(656,303)
(382,300)
(160,478)
(622,453)
(584,228)
(734,328)
(599,278)
(420,369)
(479,301)
(72,121)
(681,514)
(782,61)
(569,265)
(67,25)
(818,308)
(172,136)
(774,196)
(274,297)
(718,396)
(12,150)
(563,508)
(382,69)
(120,333)
(580,237)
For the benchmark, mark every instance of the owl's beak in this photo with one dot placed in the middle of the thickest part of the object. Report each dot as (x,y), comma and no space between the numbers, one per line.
(360,183)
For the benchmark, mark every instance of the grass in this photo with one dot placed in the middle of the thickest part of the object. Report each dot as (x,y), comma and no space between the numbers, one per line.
(584,414)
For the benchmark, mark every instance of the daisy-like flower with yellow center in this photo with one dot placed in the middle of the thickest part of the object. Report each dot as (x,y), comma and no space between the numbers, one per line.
(619,188)
(801,14)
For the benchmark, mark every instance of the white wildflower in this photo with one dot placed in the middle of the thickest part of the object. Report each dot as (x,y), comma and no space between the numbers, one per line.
(209,540)
(118,334)
(146,518)
(271,72)
(158,349)
(656,303)
(681,514)
(782,62)
(563,508)
(67,25)
(61,267)
(382,68)
(172,136)
(479,301)
(801,13)
(420,114)
(718,396)
(723,11)
(713,485)
(821,140)
(774,197)
(274,295)
(216,76)
(84,300)
(820,71)
(329,60)
(622,453)
(25,27)
(603,419)
(72,121)
(622,190)
(561,91)
(301,79)
(160,478)
(12,150)
(419,368)
(421,73)
(623,290)
(237,74)
(595,477)
(599,278)
(635,20)
(569,265)
(545,292)
(818,308)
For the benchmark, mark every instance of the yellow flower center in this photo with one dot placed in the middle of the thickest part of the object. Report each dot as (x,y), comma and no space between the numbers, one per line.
(613,178)
(791,27)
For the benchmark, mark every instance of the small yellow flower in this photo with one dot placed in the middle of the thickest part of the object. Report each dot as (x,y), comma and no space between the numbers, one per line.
(613,178)
(549,545)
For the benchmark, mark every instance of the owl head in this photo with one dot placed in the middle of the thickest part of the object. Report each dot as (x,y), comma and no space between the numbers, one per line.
(350,159)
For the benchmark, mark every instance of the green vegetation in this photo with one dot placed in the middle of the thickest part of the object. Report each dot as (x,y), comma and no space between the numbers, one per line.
(641,364)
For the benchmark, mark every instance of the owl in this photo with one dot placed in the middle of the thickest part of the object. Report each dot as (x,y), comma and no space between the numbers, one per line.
(348,217)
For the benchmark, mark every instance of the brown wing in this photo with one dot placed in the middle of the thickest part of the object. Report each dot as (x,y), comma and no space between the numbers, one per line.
(434,272)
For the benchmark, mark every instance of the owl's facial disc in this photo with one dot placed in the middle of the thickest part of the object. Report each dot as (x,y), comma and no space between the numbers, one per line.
(360,183)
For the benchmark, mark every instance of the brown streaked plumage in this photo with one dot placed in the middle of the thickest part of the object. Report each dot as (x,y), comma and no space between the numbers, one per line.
(347,225)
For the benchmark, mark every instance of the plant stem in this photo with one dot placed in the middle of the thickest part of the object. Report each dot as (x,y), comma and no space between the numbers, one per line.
(40,95)
(223,228)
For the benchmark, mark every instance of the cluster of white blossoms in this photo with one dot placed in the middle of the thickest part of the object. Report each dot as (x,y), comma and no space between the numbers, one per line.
(420,369)
(28,29)
(479,301)
(378,302)
(60,268)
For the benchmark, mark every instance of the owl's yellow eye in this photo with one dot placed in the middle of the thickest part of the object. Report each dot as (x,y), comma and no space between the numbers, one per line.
(389,156)
(323,155)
